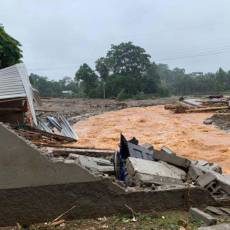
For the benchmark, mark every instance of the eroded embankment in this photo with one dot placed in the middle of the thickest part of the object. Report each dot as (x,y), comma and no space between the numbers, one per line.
(183,133)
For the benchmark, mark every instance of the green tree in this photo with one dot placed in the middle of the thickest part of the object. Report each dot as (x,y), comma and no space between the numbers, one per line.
(87,79)
(128,59)
(150,82)
(123,69)
(102,68)
(10,52)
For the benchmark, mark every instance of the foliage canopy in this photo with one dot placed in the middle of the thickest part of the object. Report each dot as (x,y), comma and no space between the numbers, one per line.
(10,52)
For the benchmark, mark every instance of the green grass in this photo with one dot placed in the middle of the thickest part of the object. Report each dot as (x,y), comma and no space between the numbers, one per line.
(171,220)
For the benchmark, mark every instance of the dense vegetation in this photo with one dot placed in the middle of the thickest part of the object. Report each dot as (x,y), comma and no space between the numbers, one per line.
(126,71)
(10,52)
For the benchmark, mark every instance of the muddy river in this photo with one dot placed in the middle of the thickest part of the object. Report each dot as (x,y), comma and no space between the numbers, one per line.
(183,133)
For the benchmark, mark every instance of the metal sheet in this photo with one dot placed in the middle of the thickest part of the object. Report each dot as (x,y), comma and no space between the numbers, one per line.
(60,123)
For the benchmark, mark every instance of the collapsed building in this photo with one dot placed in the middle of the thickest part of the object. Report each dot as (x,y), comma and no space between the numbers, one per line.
(42,176)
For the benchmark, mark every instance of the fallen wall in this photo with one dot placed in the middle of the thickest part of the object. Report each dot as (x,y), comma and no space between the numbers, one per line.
(92,199)
(23,165)
(34,189)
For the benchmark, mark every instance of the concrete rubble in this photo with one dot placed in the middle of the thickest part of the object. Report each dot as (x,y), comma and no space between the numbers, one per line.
(193,105)
(211,217)
(18,102)
(201,215)
(216,227)
(165,167)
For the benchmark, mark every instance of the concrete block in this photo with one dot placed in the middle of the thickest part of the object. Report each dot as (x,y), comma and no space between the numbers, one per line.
(167,150)
(98,160)
(224,182)
(139,151)
(215,210)
(95,164)
(225,226)
(200,215)
(158,172)
(205,179)
(148,146)
(156,179)
(194,172)
(214,188)
(168,156)
(225,210)
(205,166)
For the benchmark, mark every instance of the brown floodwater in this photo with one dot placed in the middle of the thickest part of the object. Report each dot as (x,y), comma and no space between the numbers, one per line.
(183,133)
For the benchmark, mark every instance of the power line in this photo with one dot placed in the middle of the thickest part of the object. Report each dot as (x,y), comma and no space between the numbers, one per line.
(208,52)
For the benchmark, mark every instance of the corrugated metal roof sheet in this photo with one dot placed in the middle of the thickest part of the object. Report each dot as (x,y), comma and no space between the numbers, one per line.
(14,83)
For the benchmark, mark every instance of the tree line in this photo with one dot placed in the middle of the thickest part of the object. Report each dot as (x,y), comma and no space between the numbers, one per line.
(126,71)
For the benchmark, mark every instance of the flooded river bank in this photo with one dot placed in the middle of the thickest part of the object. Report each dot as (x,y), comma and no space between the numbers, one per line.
(183,133)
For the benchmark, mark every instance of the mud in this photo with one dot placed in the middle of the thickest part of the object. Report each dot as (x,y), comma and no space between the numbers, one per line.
(83,108)
(183,133)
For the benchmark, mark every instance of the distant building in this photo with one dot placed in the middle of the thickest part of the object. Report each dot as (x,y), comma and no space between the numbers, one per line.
(196,74)
(67,92)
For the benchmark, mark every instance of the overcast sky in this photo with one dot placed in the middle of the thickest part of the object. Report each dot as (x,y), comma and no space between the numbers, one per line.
(57,36)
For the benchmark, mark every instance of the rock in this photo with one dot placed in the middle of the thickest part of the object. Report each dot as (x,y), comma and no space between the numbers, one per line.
(208,121)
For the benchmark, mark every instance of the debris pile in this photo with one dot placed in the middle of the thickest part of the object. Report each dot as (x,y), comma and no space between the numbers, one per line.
(144,166)
(196,105)
(18,100)
(17,96)
(217,103)
(212,217)
(133,167)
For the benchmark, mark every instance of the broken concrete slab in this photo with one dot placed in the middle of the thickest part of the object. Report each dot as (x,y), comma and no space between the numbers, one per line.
(225,210)
(160,172)
(214,182)
(205,179)
(129,149)
(93,164)
(214,189)
(24,165)
(205,166)
(138,151)
(225,226)
(99,161)
(45,188)
(215,210)
(148,146)
(194,172)
(200,215)
(224,182)
(92,199)
(168,156)
(147,179)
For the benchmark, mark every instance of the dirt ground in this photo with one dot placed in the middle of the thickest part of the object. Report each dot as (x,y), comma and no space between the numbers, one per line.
(89,107)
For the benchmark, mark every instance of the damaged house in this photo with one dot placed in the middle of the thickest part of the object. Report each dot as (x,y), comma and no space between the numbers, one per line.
(16,96)
(41,176)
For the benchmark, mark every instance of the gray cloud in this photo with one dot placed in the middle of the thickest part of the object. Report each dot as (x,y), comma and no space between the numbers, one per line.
(59,35)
